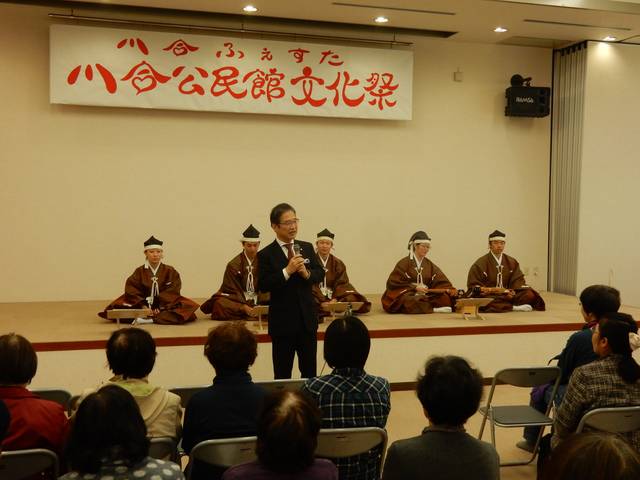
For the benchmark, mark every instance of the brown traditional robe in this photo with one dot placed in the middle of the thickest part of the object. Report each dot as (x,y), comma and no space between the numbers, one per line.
(484,273)
(401,296)
(174,308)
(336,279)
(228,302)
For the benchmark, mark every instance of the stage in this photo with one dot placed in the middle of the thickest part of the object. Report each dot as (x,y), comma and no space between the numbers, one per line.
(76,326)
(70,334)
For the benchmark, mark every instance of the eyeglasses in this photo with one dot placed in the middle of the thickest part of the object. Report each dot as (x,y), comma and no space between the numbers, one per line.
(290,223)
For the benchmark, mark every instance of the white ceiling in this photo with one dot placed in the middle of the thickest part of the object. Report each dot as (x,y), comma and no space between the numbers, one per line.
(547,23)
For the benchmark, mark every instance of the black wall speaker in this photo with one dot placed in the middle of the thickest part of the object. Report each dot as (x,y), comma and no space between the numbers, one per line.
(528,101)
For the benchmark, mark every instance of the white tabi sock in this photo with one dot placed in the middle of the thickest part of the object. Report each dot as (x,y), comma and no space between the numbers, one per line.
(523,308)
(442,310)
(142,321)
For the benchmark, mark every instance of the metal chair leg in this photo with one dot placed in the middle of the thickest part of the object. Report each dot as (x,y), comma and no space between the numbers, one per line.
(484,420)
(534,454)
(492,425)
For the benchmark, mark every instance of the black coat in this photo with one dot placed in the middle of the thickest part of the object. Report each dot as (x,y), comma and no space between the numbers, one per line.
(227,408)
(292,308)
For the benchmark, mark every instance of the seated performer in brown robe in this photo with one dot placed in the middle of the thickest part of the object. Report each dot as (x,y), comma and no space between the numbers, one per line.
(238,293)
(156,286)
(498,275)
(335,286)
(409,285)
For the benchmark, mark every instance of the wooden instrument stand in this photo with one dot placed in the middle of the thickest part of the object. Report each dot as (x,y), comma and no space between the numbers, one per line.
(471,306)
(335,308)
(260,310)
(128,313)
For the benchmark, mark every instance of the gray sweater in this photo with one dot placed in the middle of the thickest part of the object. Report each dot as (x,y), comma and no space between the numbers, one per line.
(439,454)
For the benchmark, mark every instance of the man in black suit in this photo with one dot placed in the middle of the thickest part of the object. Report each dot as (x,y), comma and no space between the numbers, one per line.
(288,269)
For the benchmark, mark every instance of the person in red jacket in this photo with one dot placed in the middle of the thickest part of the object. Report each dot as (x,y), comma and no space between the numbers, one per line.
(35,422)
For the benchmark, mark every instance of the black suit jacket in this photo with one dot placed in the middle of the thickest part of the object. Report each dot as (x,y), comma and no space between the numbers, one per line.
(292,308)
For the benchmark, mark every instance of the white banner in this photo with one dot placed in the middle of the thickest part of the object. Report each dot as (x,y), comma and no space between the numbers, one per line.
(131,68)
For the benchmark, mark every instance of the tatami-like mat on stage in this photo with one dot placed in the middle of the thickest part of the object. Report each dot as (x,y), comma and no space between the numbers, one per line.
(70,325)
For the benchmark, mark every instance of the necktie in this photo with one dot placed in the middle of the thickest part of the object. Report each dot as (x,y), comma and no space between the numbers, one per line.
(289,250)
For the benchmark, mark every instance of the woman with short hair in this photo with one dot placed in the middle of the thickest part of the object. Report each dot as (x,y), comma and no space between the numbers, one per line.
(35,422)
(349,397)
(229,407)
(131,355)
(449,391)
(287,439)
(108,440)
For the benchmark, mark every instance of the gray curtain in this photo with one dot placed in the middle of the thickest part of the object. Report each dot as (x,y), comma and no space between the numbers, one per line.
(566,152)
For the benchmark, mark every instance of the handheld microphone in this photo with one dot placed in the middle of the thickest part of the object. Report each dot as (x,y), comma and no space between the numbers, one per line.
(298,251)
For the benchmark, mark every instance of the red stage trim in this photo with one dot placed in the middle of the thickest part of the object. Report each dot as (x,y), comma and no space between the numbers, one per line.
(389,333)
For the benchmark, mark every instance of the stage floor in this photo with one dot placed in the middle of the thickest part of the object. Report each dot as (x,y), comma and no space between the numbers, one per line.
(75,325)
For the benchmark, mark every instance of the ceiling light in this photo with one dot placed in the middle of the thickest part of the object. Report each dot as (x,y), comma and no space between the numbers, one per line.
(381,19)
(609,38)
(250,9)
(499,29)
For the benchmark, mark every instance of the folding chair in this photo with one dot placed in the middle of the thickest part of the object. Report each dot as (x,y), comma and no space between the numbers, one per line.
(60,396)
(21,464)
(510,416)
(612,419)
(163,448)
(224,452)
(285,384)
(347,442)
(185,393)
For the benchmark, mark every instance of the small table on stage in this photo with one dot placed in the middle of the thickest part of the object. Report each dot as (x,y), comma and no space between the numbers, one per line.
(261,310)
(128,313)
(471,306)
(340,307)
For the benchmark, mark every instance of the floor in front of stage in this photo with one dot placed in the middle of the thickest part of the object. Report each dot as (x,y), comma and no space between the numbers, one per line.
(72,323)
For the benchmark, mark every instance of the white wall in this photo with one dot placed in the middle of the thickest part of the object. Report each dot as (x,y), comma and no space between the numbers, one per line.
(82,187)
(609,226)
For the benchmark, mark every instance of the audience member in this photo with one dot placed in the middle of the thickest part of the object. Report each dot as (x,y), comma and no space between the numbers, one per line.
(230,406)
(609,381)
(450,392)
(131,353)
(35,422)
(108,441)
(287,438)
(593,456)
(595,300)
(348,396)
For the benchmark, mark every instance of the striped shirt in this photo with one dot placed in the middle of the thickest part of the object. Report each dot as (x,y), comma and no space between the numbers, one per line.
(349,397)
